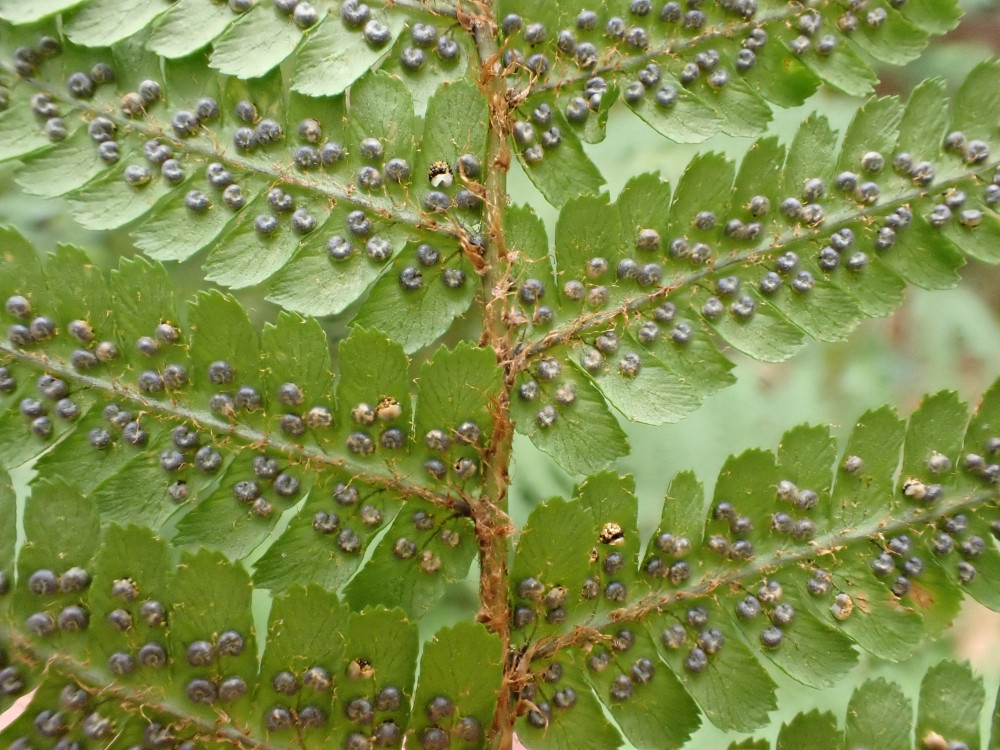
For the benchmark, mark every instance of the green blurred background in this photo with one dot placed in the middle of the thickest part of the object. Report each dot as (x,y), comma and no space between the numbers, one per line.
(940,340)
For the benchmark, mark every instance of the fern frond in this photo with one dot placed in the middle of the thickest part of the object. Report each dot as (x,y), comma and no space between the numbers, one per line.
(640,297)
(267,195)
(184,421)
(801,560)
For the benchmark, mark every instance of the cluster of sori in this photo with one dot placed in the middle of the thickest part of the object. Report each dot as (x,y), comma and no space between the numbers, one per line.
(703,44)
(563,393)
(666,558)
(951,533)
(804,500)
(642,670)
(266,471)
(212,688)
(304,715)
(379,249)
(164,165)
(613,564)
(46,585)
(440,442)
(405,548)
(302,13)
(780,614)
(42,328)
(606,344)
(534,597)
(329,522)
(54,394)
(80,85)
(544,692)
(445,725)
(79,711)
(734,544)
(530,294)
(423,37)
(411,278)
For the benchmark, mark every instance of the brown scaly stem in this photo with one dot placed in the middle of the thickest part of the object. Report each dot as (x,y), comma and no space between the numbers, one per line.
(493,527)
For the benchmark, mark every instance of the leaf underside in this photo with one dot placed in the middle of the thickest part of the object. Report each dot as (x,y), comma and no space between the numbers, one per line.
(188,466)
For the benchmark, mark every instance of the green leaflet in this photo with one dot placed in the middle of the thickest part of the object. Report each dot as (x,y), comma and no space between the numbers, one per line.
(897,41)
(72,539)
(373,368)
(57,171)
(424,549)
(381,107)
(325,541)
(247,525)
(562,566)
(382,639)
(734,692)
(656,395)
(457,386)
(583,437)
(811,731)
(177,233)
(255,43)
(951,699)
(462,664)
(689,120)
(222,332)
(101,23)
(564,173)
(977,103)
(188,26)
(879,715)
(20,134)
(584,725)
(333,56)
(109,202)
(245,257)
(658,713)
(18,12)
(416,318)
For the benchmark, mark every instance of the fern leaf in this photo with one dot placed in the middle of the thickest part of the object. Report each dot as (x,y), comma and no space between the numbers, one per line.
(293,247)
(802,557)
(783,262)
(191,412)
(879,715)
(691,74)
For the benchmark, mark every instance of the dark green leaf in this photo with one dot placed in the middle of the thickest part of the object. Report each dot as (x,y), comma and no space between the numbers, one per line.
(951,701)
(411,567)
(976,107)
(463,664)
(187,26)
(585,436)
(563,173)
(333,56)
(101,23)
(863,489)
(457,386)
(879,715)
(418,317)
(372,368)
(811,731)
(57,171)
(258,41)
(734,691)
(18,12)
